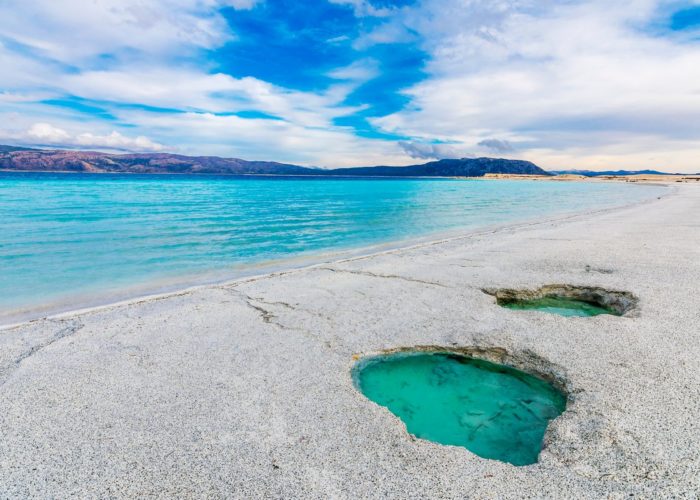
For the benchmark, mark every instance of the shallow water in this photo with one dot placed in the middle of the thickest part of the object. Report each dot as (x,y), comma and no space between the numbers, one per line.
(64,236)
(494,411)
(560,306)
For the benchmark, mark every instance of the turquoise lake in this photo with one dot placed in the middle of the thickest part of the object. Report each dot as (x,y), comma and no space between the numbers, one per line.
(78,239)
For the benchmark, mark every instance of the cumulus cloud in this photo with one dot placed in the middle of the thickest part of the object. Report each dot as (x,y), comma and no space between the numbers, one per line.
(117,141)
(45,134)
(427,151)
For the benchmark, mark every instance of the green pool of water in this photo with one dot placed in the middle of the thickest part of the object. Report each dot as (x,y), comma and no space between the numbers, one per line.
(561,306)
(494,411)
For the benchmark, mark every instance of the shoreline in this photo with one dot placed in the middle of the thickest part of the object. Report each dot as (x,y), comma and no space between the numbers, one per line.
(206,174)
(245,390)
(630,178)
(268,269)
(648,179)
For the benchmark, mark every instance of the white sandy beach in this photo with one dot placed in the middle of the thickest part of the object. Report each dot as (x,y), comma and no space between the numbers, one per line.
(244,390)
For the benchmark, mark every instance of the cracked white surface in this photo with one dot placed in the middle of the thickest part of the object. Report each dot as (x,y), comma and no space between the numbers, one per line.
(244,390)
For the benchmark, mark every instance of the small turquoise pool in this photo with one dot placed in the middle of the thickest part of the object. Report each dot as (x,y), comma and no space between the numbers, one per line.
(494,411)
(561,306)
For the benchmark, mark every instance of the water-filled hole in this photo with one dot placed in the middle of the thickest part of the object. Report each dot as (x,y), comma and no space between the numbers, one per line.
(493,410)
(559,305)
(567,300)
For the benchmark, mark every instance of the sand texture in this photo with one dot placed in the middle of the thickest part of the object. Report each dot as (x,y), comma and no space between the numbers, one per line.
(244,390)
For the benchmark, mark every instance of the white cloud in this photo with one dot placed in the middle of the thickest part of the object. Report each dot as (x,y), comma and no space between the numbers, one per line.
(74,31)
(46,134)
(260,139)
(17,97)
(117,141)
(577,82)
(190,89)
(362,70)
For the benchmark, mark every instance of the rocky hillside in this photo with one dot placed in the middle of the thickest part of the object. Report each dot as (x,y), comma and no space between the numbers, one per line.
(25,159)
(156,163)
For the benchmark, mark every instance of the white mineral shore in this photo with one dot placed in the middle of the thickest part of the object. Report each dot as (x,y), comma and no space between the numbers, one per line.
(244,390)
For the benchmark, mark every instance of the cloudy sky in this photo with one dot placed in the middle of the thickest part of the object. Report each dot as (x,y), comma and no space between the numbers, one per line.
(567,84)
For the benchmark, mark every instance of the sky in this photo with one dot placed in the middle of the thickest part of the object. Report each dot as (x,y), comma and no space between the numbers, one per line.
(567,84)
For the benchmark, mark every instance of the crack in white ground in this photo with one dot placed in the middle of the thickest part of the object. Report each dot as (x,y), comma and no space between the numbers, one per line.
(385,276)
(74,326)
(270,318)
(296,308)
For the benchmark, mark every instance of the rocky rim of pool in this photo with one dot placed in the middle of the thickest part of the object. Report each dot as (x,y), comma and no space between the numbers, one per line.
(568,300)
(496,404)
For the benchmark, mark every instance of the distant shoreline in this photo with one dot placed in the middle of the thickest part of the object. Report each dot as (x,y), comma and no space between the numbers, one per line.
(634,178)
(208,174)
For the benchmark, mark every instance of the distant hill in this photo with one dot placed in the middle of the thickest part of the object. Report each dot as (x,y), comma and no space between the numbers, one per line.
(464,167)
(592,173)
(26,159)
(148,163)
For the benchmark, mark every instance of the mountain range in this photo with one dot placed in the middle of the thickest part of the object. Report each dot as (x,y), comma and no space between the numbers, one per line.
(14,158)
(27,159)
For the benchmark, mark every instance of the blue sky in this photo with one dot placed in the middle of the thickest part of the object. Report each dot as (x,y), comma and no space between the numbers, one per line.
(574,84)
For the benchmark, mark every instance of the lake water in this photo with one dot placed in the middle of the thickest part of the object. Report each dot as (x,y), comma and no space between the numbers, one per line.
(81,238)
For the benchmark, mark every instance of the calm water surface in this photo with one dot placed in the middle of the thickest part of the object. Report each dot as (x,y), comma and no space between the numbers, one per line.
(492,410)
(65,238)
